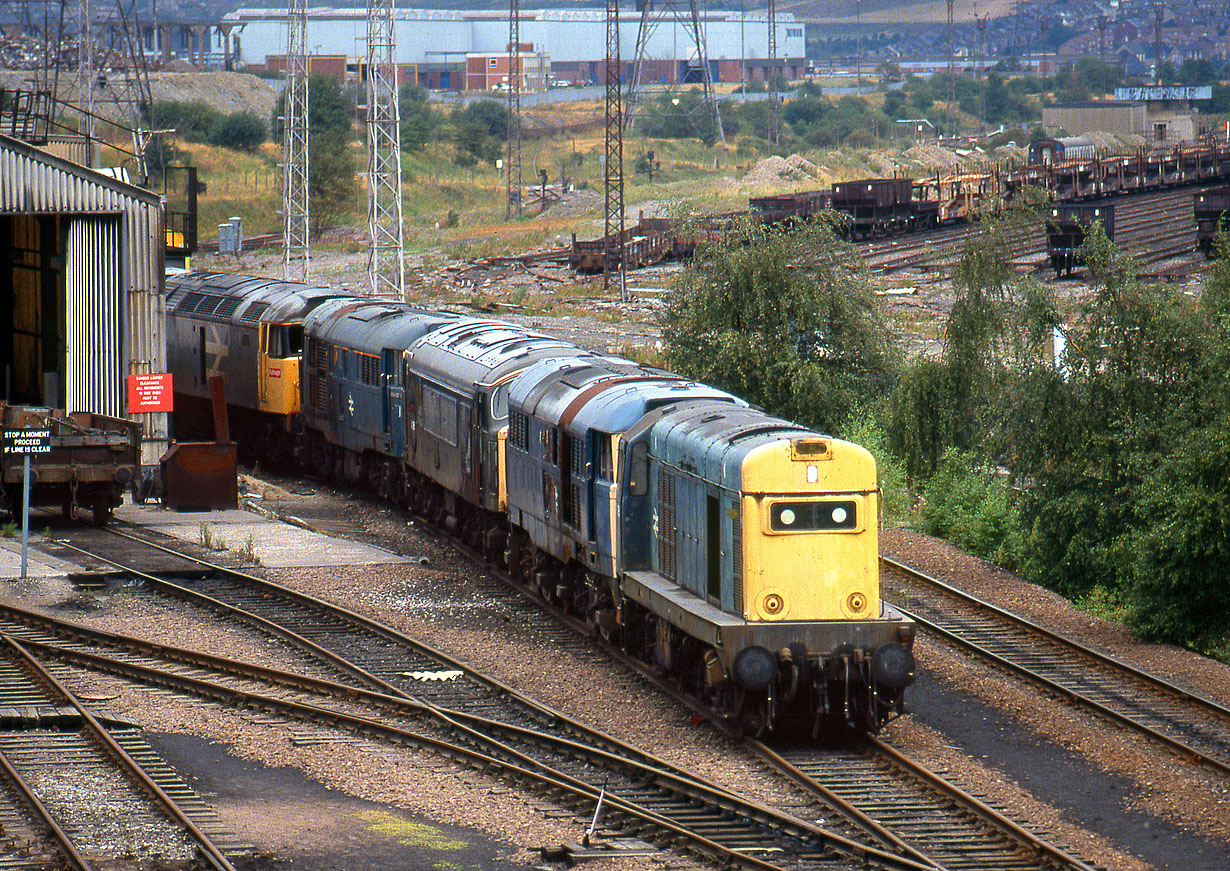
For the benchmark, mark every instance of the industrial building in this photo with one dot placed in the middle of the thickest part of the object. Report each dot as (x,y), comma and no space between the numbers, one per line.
(574,41)
(1163,115)
(81,271)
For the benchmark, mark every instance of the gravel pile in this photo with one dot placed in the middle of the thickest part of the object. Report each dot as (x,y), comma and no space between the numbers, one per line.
(777,170)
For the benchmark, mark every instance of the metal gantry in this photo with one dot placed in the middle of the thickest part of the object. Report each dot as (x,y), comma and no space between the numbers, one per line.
(775,119)
(296,264)
(386,260)
(686,14)
(950,96)
(613,159)
(512,163)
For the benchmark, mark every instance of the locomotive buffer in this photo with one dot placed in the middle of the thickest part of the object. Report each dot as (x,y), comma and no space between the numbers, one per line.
(26,442)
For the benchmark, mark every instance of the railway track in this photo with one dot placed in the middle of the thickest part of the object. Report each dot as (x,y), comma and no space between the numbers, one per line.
(1194,727)
(550,733)
(78,792)
(518,731)
(1150,228)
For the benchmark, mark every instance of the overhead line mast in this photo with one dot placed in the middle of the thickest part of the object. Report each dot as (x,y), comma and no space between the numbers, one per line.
(613,160)
(653,12)
(386,259)
(512,162)
(774,105)
(296,264)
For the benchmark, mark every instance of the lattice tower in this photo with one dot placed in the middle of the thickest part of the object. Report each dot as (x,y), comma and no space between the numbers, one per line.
(296,261)
(386,259)
(686,14)
(775,116)
(512,162)
(613,159)
(951,96)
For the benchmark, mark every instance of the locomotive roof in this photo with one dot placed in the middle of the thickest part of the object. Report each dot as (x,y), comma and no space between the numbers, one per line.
(551,385)
(712,441)
(622,404)
(480,351)
(370,326)
(242,299)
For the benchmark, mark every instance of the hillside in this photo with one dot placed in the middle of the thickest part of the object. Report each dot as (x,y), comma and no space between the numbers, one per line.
(872,12)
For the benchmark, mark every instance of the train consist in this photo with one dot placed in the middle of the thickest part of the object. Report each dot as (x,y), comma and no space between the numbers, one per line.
(1067,169)
(731,552)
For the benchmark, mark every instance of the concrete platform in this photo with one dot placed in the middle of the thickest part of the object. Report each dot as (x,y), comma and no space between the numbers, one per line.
(38,564)
(277,545)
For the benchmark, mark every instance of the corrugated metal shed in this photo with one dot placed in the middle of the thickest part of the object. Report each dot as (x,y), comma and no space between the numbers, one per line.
(91,246)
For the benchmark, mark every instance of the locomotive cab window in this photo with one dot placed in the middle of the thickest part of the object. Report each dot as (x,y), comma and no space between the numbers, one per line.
(836,515)
(285,340)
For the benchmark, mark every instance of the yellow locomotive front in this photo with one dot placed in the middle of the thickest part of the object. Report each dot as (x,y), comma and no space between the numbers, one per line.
(762,588)
(817,643)
(809,532)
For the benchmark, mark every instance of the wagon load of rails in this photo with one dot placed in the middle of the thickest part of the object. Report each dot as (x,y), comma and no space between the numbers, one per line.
(649,241)
(90,460)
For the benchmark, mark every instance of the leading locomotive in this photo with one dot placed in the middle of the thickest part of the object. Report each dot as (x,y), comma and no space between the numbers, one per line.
(732,552)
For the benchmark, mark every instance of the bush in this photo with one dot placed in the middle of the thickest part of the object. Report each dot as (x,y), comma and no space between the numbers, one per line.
(193,120)
(864,429)
(242,131)
(974,509)
(1175,590)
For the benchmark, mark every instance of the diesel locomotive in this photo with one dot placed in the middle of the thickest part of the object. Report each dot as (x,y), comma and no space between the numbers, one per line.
(729,551)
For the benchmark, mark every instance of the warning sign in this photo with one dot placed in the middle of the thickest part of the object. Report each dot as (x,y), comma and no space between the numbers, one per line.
(149,393)
(27,441)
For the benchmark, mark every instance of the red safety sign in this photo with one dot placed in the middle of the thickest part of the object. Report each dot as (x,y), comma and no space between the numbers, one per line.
(149,393)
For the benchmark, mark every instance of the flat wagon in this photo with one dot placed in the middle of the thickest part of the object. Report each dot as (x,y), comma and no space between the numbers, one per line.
(92,459)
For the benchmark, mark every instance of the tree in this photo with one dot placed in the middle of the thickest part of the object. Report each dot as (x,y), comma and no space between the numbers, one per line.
(193,119)
(787,320)
(331,180)
(1176,591)
(492,115)
(418,121)
(329,108)
(242,131)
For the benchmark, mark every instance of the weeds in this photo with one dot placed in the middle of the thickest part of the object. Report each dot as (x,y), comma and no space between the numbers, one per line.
(8,530)
(208,539)
(247,552)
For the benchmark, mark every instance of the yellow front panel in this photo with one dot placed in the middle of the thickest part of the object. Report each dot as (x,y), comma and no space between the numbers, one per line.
(810,575)
(280,383)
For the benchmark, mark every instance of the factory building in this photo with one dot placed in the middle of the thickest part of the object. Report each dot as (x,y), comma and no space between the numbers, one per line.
(574,41)
(81,273)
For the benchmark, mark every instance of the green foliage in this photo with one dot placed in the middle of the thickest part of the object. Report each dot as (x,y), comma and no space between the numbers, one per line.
(896,497)
(418,121)
(492,115)
(680,115)
(480,130)
(950,402)
(973,508)
(330,109)
(193,120)
(332,185)
(1174,581)
(242,131)
(788,320)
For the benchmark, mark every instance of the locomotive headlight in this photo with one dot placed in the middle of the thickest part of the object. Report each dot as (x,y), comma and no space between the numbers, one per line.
(839,515)
(787,517)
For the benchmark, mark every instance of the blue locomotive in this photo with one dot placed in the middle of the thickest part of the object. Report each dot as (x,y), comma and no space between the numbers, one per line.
(732,552)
